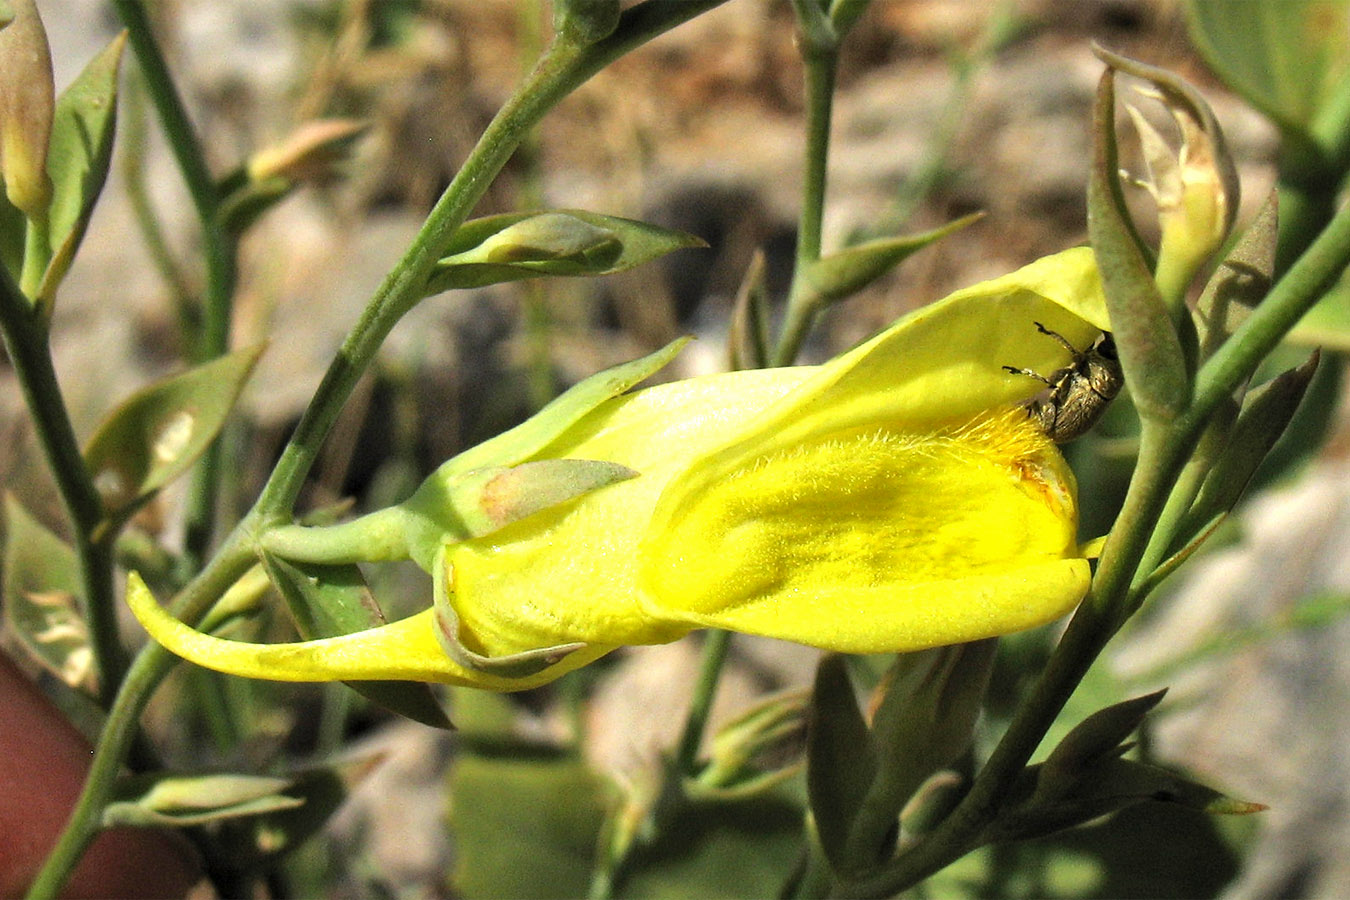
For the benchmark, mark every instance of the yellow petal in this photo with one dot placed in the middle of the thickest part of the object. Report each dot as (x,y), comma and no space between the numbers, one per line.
(406,649)
(866,541)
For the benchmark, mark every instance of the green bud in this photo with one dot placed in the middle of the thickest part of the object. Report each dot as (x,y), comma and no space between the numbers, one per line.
(930,701)
(755,751)
(1146,328)
(572,242)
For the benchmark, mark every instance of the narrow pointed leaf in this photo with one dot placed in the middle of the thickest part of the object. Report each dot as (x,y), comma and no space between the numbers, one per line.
(1111,785)
(569,242)
(1097,737)
(41,590)
(156,434)
(1264,417)
(81,149)
(841,761)
(1145,335)
(327,601)
(843,274)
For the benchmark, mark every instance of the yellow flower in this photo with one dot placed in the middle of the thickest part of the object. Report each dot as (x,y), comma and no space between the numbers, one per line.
(892,499)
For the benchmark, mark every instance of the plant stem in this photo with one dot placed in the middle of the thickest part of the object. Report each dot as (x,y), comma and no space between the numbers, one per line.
(147,671)
(25,339)
(715,645)
(220,246)
(558,74)
(821,65)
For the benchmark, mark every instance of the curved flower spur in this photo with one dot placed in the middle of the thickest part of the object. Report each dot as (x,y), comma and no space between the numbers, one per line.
(895,498)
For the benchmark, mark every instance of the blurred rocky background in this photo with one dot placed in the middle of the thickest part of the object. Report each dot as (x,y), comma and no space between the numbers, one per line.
(944,107)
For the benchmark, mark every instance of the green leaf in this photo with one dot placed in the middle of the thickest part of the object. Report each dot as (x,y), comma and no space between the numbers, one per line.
(81,149)
(1145,335)
(843,274)
(524,827)
(1111,784)
(157,433)
(41,589)
(179,800)
(515,246)
(1099,736)
(841,761)
(1290,59)
(1241,281)
(1265,416)
(327,601)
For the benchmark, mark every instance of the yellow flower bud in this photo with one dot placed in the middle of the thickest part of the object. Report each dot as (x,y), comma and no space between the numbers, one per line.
(27,104)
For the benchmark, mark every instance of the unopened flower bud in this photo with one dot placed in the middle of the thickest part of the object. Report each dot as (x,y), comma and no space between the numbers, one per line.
(27,102)
(1195,185)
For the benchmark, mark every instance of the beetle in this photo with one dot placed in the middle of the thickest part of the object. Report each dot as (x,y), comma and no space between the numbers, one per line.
(1080,392)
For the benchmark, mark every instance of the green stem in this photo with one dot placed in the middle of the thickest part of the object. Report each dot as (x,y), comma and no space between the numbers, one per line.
(164,94)
(715,646)
(220,246)
(119,731)
(558,74)
(821,65)
(25,339)
(152,231)
(37,254)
